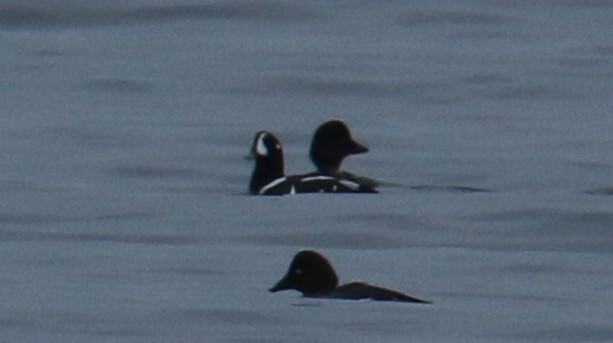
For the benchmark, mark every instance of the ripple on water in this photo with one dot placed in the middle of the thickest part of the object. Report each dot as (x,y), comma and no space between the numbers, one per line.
(601,191)
(416,18)
(147,239)
(572,332)
(119,86)
(54,16)
(151,171)
(330,240)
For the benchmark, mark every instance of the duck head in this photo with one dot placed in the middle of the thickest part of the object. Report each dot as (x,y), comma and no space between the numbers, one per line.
(309,273)
(268,154)
(331,143)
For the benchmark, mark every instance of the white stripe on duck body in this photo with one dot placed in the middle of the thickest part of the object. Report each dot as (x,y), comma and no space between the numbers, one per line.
(268,177)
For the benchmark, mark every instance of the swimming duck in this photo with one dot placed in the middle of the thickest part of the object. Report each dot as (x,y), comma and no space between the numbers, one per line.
(311,274)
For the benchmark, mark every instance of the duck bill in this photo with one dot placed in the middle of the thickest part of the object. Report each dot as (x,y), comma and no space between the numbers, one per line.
(282,285)
(356,148)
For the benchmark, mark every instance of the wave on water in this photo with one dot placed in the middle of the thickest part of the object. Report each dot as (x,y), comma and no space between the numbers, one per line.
(451,17)
(601,191)
(450,189)
(148,239)
(54,16)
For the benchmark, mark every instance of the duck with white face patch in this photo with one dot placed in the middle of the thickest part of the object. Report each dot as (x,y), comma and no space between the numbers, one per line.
(268,154)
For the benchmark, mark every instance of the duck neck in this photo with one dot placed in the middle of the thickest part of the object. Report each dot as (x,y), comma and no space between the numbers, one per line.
(328,167)
(264,173)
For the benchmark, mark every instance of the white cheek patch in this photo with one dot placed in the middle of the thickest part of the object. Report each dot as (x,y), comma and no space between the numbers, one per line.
(260,147)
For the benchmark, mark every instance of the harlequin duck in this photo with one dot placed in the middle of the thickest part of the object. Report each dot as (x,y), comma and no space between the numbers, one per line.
(311,274)
(331,143)
(269,178)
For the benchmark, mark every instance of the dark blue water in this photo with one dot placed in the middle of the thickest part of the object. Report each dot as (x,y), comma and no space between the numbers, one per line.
(123,208)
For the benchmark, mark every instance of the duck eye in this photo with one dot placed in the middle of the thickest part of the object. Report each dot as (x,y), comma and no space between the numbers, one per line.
(298,271)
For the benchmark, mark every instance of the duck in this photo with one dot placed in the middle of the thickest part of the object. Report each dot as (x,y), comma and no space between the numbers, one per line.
(331,143)
(268,177)
(311,274)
